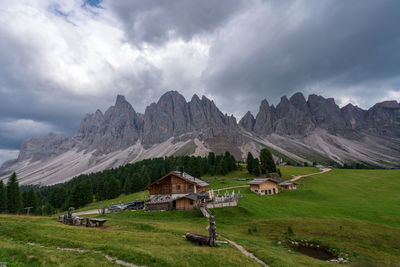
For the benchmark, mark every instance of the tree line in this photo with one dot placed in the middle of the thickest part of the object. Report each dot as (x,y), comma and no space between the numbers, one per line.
(12,200)
(107,184)
(262,166)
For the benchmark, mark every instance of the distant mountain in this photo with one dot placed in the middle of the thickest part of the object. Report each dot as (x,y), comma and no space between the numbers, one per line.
(297,129)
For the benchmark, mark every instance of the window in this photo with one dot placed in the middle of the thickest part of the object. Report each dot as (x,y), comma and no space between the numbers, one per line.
(262,191)
(191,202)
(190,187)
(256,191)
(178,187)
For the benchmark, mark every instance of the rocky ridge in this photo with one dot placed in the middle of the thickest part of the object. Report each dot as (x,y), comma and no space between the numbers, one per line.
(298,128)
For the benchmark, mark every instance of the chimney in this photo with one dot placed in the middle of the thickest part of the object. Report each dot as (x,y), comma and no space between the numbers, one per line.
(182,168)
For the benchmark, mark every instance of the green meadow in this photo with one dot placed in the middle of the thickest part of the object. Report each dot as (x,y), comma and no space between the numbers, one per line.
(353,212)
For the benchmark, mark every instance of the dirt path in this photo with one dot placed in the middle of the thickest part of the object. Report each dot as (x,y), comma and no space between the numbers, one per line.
(109,258)
(245,252)
(305,175)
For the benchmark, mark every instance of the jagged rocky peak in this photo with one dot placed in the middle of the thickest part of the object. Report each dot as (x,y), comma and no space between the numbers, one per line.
(354,117)
(283,107)
(119,128)
(120,100)
(166,118)
(172,116)
(298,100)
(29,147)
(292,117)
(41,148)
(388,104)
(326,113)
(384,118)
(263,123)
(247,122)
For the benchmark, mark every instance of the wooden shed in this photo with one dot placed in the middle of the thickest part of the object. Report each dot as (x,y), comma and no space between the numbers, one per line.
(264,186)
(289,185)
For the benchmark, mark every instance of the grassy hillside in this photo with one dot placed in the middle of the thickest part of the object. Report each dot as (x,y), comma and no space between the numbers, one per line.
(355,212)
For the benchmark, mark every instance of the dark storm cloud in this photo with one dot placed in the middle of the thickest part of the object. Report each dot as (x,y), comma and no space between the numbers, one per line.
(32,103)
(157,21)
(247,50)
(324,46)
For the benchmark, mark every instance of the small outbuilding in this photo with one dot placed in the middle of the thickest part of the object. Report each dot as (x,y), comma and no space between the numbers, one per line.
(288,185)
(264,186)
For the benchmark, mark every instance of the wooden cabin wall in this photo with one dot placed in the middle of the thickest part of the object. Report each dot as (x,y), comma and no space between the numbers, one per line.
(180,186)
(184,204)
(163,187)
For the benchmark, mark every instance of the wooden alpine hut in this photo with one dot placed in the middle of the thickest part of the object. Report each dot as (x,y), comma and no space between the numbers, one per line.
(176,190)
(264,186)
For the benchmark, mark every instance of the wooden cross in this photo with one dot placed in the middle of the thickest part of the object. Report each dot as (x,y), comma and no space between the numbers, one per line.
(27,210)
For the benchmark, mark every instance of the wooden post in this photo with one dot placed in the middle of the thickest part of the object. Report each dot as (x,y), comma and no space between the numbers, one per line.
(28,210)
(212,230)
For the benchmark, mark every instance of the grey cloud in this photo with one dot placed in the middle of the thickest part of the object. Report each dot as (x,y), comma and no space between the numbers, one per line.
(259,49)
(28,94)
(6,154)
(157,21)
(324,46)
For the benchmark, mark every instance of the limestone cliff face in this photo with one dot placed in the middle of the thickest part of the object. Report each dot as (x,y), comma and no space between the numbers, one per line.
(264,119)
(354,117)
(293,117)
(119,128)
(300,117)
(172,116)
(44,148)
(326,113)
(248,121)
(166,118)
(384,118)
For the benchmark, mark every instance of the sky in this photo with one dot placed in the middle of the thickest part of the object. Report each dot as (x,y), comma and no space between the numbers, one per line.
(62,59)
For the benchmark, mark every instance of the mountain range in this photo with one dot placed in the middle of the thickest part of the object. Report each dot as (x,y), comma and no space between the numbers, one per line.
(298,130)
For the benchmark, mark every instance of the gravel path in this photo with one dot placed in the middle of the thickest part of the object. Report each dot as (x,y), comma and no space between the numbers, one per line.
(301,176)
(245,252)
(109,258)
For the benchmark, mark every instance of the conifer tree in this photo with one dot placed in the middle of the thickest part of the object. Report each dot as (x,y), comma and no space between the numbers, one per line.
(76,200)
(30,199)
(267,163)
(87,192)
(48,209)
(128,185)
(145,180)
(13,195)
(100,190)
(256,167)
(58,197)
(3,198)
(113,188)
(249,161)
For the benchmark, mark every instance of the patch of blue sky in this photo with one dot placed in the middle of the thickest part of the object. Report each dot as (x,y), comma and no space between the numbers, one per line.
(93,3)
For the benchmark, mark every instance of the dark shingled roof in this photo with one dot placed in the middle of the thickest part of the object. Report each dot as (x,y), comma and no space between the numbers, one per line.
(288,183)
(185,177)
(190,178)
